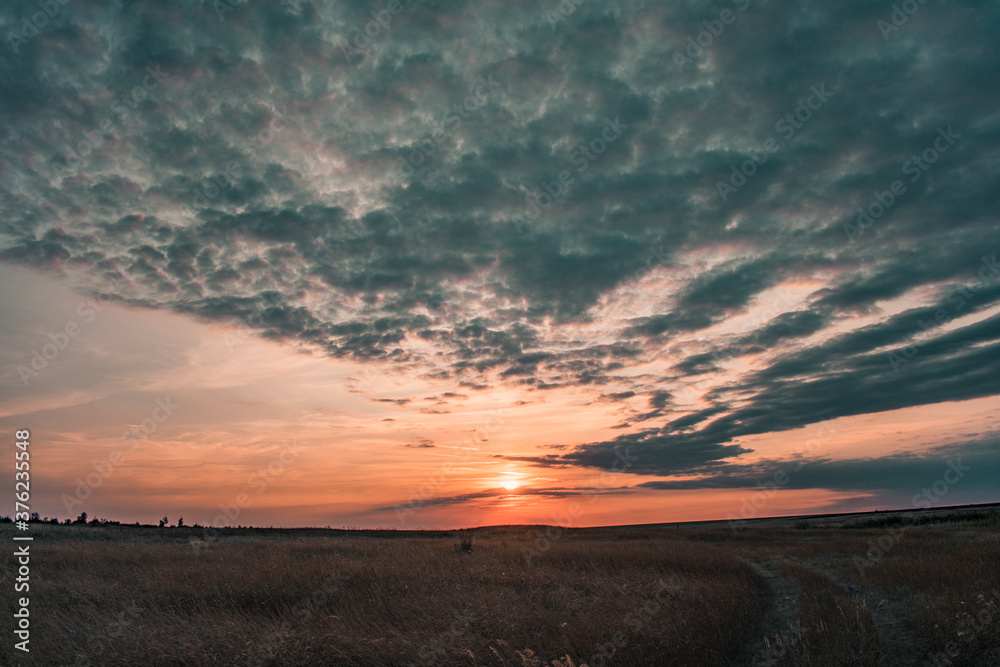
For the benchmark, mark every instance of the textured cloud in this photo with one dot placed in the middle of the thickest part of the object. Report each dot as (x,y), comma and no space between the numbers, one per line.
(482,194)
(975,465)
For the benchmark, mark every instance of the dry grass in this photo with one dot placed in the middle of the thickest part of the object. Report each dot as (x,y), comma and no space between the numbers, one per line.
(615,596)
(359,601)
(950,579)
(934,585)
(837,626)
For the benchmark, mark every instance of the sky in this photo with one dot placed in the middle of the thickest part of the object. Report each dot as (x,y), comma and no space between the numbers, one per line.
(441,264)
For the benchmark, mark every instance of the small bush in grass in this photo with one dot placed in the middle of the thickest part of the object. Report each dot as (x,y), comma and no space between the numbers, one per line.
(464,541)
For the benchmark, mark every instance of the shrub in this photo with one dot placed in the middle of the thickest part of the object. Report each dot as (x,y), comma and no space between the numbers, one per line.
(464,541)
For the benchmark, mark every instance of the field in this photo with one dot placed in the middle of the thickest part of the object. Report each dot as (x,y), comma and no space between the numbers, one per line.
(883,589)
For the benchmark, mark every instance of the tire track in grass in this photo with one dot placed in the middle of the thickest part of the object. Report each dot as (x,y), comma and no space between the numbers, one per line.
(837,626)
(782,622)
(890,615)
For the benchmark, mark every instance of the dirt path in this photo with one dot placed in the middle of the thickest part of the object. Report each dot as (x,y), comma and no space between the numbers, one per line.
(891,620)
(782,624)
(782,621)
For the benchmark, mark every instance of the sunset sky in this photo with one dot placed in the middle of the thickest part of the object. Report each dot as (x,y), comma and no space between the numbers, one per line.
(443,264)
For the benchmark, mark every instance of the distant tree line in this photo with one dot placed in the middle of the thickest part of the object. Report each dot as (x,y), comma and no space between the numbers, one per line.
(83,519)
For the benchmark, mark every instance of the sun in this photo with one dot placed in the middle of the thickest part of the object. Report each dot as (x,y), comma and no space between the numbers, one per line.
(510,484)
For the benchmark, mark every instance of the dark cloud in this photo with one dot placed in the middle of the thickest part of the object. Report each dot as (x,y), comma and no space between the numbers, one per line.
(395,401)
(973,465)
(497,493)
(653,451)
(616,397)
(798,324)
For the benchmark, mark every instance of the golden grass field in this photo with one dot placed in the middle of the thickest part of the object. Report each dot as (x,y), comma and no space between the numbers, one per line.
(846,592)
